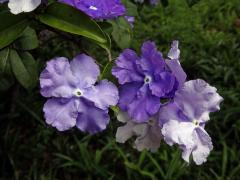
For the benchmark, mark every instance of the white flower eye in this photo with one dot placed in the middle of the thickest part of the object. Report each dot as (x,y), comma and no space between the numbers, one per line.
(195,122)
(77,93)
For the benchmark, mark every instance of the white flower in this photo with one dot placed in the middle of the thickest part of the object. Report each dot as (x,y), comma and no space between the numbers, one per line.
(19,6)
(148,134)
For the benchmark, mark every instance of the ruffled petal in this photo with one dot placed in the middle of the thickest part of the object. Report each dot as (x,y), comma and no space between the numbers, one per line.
(171,111)
(103,95)
(151,61)
(127,93)
(203,146)
(150,138)
(125,132)
(144,105)
(60,113)
(57,80)
(174,52)
(148,134)
(90,118)
(126,69)
(197,99)
(177,71)
(180,133)
(18,6)
(85,69)
(163,84)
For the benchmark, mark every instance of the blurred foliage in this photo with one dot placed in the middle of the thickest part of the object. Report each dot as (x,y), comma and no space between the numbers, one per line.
(209,35)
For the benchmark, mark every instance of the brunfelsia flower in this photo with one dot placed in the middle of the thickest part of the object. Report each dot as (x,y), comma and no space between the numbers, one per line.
(130,20)
(99,9)
(184,119)
(19,6)
(145,80)
(148,133)
(75,99)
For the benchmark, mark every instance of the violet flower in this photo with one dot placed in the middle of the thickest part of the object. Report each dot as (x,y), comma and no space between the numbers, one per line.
(144,81)
(184,119)
(75,100)
(148,133)
(98,9)
(130,20)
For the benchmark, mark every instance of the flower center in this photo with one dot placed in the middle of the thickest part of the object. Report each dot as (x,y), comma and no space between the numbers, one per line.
(195,122)
(93,8)
(151,122)
(147,79)
(77,93)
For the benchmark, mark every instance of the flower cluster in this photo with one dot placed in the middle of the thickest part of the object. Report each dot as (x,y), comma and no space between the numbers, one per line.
(155,100)
(143,82)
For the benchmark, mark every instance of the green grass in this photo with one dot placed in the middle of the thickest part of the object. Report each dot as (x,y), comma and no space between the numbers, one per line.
(210,49)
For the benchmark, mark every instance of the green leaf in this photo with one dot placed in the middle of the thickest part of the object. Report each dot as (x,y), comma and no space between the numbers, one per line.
(131,8)
(69,19)
(28,40)
(11,27)
(122,32)
(4,55)
(24,68)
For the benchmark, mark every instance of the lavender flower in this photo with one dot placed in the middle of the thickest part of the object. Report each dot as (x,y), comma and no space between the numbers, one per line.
(184,119)
(99,9)
(148,134)
(18,6)
(130,20)
(74,99)
(144,81)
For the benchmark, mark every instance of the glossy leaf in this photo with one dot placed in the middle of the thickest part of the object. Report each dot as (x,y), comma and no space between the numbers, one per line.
(11,27)
(24,68)
(28,40)
(4,56)
(69,19)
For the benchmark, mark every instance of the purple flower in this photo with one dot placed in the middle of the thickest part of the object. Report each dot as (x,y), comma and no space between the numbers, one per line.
(144,81)
(75,100)
(130,20)
(184,119)
(99,9)
(148,134)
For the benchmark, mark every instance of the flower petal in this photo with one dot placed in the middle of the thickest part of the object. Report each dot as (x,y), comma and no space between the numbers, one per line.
(163,84)
(90,118)
(203,147)
(197,99)
(18,6)
(85,69)
(144,105)
(151,139)
(125,132)
(57,79)
(151,61)
(174,52)
(103,95)
(177,71)
(60,113)
(127,93)
(126,69)
(180,133)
